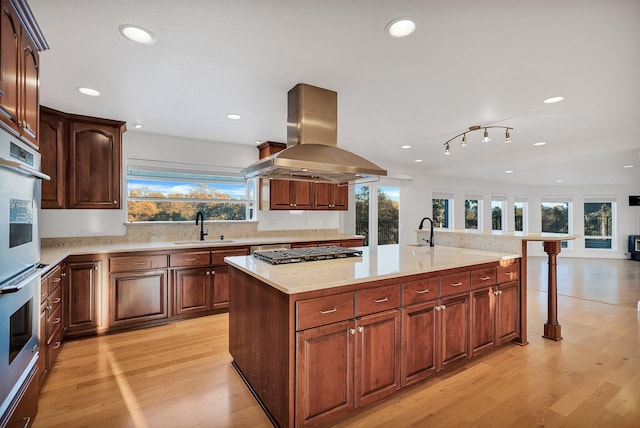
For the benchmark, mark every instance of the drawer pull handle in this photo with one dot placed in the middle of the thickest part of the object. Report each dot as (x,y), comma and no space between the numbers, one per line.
(456,284)
(57,321)
(485,278)
(384,299)
(57,345)
(328,311)
(191,259)
(57,279)
(44,293)
(27,421)
(140,263)
(422,291)
(509,273)
(57,300)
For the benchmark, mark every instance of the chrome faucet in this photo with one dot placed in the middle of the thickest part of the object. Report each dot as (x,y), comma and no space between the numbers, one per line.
(200,217)
(430,240)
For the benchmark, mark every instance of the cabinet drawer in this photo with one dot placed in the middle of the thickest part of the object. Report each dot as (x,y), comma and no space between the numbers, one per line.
(455,283)
(420,290)
(54,345)
(54,321)
(508,272)
(324,310)
(44,290)
(483,277)
(199,258)
(55,299)
(378,299)
(127,263)
(217,256)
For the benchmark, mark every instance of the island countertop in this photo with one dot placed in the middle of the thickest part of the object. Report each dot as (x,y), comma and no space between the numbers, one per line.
(379,262)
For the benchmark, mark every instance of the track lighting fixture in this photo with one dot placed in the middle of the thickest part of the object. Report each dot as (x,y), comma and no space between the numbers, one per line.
(485,139)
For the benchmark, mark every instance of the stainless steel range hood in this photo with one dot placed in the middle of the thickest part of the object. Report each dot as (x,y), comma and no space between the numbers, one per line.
(312,153)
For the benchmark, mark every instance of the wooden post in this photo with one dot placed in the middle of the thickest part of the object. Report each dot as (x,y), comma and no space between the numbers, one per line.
(552,329)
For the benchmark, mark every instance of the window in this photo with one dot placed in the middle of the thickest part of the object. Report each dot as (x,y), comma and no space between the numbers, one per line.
(598,224)
(555,218)
(442,209)
(166,191)
(520,216)
(471,220)
(383,218)
(498,214)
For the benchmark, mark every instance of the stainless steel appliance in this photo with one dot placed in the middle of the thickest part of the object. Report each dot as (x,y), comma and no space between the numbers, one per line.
(19,269)
(297,255)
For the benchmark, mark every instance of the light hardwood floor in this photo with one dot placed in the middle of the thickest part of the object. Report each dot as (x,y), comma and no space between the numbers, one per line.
(179,375)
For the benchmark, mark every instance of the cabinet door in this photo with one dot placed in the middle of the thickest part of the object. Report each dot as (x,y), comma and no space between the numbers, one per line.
(82,298)
(322,196)
(377,357)
(94,166)
(324,373)
(279,195)
(29,107)
(302,195)
(53,160)
(340,196)
(192,290)
(454,328)
(9,59)
(138,298)
(221,287)
(419,342)
(482,319)
(507,312)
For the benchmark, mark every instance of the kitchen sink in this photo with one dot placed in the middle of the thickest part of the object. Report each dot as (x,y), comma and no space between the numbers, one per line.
(210,242)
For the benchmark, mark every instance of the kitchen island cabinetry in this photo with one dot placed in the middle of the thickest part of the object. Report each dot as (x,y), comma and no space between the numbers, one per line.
(91,147)
(314,347)
(83,296)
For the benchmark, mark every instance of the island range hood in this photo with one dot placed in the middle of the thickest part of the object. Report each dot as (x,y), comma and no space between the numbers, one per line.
(312,153)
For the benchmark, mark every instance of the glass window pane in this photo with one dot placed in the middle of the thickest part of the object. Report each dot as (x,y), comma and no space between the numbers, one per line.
(497,210)
(598,219)
(519,216)
(388,215)
(441,213)
(597,243)
(362,212)
(471,214)
(555,217)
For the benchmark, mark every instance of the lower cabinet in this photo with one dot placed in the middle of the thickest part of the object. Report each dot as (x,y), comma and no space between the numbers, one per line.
(507,312)
(454,328)
(192,290)
(220,287)
(495,316)
(83,297)
(419,342)
(23,409)
(138,298)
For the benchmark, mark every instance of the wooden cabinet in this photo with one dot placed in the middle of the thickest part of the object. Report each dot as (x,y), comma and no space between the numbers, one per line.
(454,329)
(419,342)
(23,409)
(192,290)
(51,320)
(138,298)
(21,40)
(220,286)
(329,196)
(290,195)
(83,297)
(507,312)
(83,155)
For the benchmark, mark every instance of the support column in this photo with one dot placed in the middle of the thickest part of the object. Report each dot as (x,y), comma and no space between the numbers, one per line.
(552,329)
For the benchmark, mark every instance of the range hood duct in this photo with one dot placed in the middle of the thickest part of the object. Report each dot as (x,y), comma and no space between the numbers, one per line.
(312,153)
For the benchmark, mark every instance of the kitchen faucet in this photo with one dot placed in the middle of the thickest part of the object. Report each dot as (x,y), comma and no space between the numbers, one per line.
(200,217)
(430,240)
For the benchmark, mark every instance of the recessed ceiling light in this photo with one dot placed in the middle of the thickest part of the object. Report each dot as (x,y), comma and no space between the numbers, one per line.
(553,100)
(137,34)
(258,142)
(539,143)
(88,91)
(560,181)
(234,116)
(418,160)
(509,171)
(400,27)
(405,147)
(137,125)
(628,166)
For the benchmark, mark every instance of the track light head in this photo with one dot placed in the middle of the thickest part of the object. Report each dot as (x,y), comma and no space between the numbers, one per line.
(486,138)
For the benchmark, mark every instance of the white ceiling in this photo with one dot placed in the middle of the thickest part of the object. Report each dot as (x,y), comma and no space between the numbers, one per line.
(468,63)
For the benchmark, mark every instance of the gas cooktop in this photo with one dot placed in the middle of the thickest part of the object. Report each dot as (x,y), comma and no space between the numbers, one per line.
(297,255)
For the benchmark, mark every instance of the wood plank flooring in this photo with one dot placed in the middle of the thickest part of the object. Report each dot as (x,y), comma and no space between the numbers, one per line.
(179,375)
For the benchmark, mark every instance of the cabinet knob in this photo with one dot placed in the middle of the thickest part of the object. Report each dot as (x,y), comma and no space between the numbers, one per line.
(360,329)
(352,331)
(63,274)
(208,273)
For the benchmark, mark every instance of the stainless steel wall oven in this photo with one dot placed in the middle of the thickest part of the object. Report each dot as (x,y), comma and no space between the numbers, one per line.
(19,269)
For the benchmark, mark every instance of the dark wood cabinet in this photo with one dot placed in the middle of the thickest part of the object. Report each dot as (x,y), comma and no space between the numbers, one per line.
(54,161)
(419,342)
(454,329)
(482,319)
(83,297)
(23,409)
(20,43)
(507,312)
(83,156)
(138,298)
(220,287)
(291,195)
(51,320)
(192,290)
(329,196)
(325,370)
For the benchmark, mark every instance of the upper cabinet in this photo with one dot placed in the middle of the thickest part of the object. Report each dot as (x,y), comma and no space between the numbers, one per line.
(299,195)
(83,157)
(21,40)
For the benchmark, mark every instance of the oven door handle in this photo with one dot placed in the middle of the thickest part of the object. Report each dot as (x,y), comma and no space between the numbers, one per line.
(23,169)
(11,289)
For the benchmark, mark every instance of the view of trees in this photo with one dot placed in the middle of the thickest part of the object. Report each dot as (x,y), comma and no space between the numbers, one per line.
(388,216)
(471,214)
(555,217)
(519,217)
(176,207)
(598,219)
(496,217)
(440,212)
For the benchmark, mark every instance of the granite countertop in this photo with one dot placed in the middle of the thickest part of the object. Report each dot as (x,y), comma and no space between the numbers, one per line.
(381,262)
(54,255)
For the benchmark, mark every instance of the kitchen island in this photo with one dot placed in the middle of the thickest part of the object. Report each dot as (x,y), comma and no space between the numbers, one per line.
(317,341)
